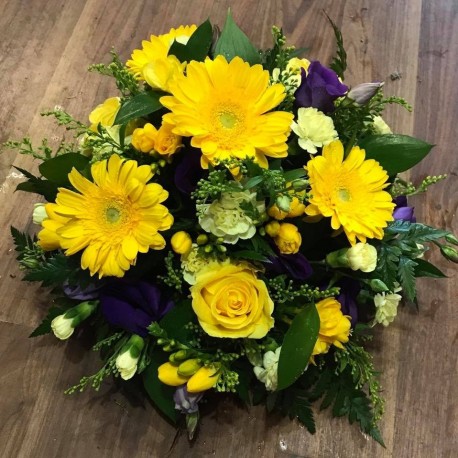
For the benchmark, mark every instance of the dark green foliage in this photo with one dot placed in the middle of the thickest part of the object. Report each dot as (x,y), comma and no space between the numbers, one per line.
(37,185)
(339,62)
(45,325)
(138,106)
(197,47)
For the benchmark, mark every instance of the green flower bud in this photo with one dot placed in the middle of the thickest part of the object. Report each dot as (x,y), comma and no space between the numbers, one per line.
(202,239)
(179,356)
(189,367)
(451,239)
(449,253)
(377,285)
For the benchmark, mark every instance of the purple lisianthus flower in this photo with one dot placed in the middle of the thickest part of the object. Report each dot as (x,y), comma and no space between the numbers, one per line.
(349,289)
(133,305)
(188,172)
(185,401)
(295,265)
(87,293)
(319,87)
(402,211)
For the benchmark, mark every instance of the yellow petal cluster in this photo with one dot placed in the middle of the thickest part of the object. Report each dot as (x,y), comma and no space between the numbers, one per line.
(152,63)
(228,110)
(111,219)
(230,301)
(181,242)
(350,191)
(334,326)
(203,379)
(288,238)
(105,113)
(148,139)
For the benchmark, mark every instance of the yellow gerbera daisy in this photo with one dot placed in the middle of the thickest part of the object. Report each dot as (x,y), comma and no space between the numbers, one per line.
(226,109)
(350,192)
(112,219)
(153,65)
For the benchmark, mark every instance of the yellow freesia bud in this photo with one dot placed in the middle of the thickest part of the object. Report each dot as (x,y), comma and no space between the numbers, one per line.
(168,374)
(204,379)
(189,367)
(105,113)
(181,242)
(167,142)
(144,138)
(288,239)
(272,228)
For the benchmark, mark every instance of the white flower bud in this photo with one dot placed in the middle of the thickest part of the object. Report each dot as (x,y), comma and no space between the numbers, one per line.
(62,327)
(362,93)
(268,372)
(386,307)
(362,256)
(39,213)
(126,365)
(380,126)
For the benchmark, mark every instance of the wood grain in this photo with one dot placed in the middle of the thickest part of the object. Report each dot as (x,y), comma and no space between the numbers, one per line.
(45,49)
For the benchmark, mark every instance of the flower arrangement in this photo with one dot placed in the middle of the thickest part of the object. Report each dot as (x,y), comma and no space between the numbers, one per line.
(232,221)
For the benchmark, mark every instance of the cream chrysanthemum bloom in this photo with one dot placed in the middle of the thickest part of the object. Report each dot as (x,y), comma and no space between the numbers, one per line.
(153,64)
(314,129)
(350,192)
(112,219)
(227,109)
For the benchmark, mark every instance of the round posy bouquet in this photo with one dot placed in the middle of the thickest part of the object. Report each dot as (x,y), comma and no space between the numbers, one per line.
(232,221)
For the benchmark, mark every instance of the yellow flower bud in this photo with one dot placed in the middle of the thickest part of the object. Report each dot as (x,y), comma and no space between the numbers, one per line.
(204,379)
(288,239)
(167,142)
(105,113)
(181,242)
(168,374)
(272,228)
(144,138)
(189,367)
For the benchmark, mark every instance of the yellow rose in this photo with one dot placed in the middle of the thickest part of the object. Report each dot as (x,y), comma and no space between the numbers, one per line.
(230,301)
(167,142)
(144,138)
(288,239)
(105,113)
(334,326)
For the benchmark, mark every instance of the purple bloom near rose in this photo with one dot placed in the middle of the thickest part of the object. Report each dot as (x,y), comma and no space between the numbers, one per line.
(319,87)
(133,305)
(185,401)
(403,211)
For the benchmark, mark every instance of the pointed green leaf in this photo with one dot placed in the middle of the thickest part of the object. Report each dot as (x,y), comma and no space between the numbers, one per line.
(233,42)
(140,105)
(426,269)
(197,47)
(58,168)
(297,346)
(395,153)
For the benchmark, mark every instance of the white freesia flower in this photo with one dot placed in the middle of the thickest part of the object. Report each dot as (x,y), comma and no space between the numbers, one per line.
(380,126)
(314,129)
(386,307)
(268,372)
(39,213)
(291,77)
(62,327)
(126,365)
(363,257)
(226,219)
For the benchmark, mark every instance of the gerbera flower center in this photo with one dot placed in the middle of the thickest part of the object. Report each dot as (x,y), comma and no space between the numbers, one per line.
(344,195)
(113,214)
(228,119)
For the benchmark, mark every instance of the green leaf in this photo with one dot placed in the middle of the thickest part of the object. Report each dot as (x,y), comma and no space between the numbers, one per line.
(295,174)
(339,62)
(426,269)
(174,322)
(297,346)
(302,410)
(406,274)
(197,47)
(57,169)
(138,106)
(233,42)
(45,326)
(248,254)
(38,186)
(395,153)
(160,394)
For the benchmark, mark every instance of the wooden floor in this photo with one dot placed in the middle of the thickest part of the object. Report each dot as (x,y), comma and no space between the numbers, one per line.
(45,48)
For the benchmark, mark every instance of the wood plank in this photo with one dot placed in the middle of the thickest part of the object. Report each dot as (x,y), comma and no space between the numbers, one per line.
(46,47)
